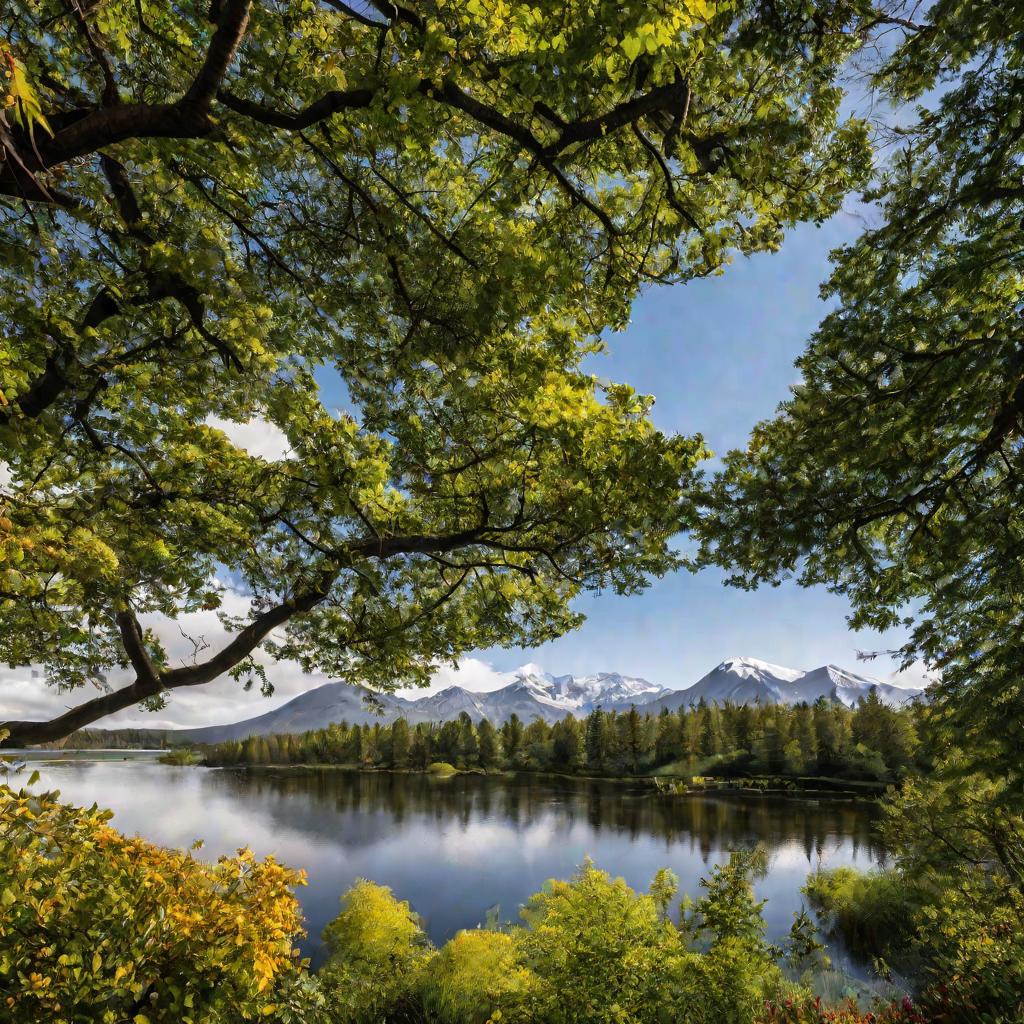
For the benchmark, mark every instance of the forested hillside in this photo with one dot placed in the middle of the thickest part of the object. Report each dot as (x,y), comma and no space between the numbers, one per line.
(873,742)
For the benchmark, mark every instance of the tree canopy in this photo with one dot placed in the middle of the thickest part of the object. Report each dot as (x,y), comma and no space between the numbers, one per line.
(894,473)
(211,211)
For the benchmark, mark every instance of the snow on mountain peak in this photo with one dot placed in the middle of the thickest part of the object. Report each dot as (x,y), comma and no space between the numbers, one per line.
(749,680)
(754,668)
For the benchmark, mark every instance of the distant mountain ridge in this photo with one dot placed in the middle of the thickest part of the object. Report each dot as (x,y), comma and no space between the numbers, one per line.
(748,680)
(534,693)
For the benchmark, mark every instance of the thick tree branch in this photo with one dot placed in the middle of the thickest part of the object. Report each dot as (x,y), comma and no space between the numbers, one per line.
(149,682)
(135,647)
(234,17)
(185,118)
(328,104)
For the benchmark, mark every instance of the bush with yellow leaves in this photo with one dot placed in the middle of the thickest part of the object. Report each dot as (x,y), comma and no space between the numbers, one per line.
(101,927)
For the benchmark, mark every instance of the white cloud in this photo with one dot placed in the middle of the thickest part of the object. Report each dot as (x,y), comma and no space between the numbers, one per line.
(471,674)
(25,695)
(196,636)
(258,437)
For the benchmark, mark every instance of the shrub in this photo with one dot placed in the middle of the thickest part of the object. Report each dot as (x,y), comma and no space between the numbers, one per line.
(179,756)
(101,927)
(958,836)
(479,976)
(603,952)
(874,911)
(377,954)
(972,945)
(592,950)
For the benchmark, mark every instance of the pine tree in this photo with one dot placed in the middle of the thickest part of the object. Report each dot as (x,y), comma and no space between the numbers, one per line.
(490,745)
(710,742)
(634,738)
(597,740)
(469,748)
(512,736)
(803,733)
(568,744)
(420,749)
(356,749)
(401,742)
(668,742)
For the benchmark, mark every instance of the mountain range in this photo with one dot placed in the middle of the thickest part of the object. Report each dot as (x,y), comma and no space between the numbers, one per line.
(538,694)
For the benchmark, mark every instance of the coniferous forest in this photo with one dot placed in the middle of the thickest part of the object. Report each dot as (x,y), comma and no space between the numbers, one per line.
(872,742)
(302,311)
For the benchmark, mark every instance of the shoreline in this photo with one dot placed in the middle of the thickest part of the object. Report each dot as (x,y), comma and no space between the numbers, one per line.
(841,789)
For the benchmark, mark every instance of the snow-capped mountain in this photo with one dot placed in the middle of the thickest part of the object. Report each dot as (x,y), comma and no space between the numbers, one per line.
(447,704)
(529,697)
(609,689)
(746,680)
(534,693)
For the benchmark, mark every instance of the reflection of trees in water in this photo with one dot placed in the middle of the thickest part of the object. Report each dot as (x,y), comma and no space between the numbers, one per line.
(367,805)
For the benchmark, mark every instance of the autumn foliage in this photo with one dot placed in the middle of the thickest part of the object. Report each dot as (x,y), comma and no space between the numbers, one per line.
(102,927)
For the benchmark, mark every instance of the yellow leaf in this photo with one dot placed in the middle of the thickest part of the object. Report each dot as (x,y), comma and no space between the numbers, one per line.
(631,46)
(21,97)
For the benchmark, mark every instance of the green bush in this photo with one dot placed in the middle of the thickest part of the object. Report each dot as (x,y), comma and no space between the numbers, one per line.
(874,912)
(591,950)
(179,756)
(478,976)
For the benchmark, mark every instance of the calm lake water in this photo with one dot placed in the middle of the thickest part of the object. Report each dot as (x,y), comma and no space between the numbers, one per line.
(457,848)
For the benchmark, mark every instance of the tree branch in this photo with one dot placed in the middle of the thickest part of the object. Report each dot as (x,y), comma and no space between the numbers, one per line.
(149,682)
(328,104)
(234,17)
(185,118)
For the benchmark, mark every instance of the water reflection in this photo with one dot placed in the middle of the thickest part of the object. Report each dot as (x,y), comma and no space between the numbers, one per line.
(456,847)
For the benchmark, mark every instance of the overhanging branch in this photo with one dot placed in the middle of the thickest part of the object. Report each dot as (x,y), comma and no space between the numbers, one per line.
(150,682)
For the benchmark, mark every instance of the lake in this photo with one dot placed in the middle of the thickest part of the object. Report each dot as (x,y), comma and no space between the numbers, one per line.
(458,848)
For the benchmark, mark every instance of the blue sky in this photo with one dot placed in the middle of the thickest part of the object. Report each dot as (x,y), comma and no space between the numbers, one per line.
(718,356)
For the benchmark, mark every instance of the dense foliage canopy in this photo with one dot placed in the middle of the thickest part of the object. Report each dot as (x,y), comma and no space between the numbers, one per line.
(894,473)
(210,211)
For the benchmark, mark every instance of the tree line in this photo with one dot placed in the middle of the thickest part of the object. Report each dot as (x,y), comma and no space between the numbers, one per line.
(871,741)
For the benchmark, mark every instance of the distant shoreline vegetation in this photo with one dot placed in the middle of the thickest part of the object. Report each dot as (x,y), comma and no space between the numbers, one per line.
(826,744)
